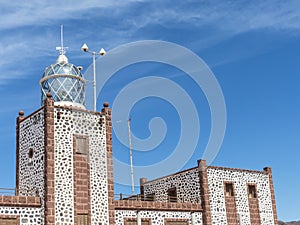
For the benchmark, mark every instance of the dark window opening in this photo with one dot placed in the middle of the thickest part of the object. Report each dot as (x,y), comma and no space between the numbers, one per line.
(30,156)
(30,153)
(252,191)
(172,195)
(134,222)
(58,114)
(229,190)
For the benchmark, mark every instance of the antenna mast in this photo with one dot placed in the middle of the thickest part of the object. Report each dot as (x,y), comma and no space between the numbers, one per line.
(62,38)
(130,155)
(61,49)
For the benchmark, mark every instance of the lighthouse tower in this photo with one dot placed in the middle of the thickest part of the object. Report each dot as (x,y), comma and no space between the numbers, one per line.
(64,152)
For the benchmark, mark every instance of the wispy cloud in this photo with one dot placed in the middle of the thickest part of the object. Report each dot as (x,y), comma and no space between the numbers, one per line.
(27,13)
(27,28)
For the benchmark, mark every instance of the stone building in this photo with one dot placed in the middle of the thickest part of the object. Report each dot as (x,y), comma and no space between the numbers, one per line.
(64,172)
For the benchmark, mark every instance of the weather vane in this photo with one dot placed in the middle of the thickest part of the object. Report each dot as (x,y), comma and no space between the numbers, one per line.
(61,49)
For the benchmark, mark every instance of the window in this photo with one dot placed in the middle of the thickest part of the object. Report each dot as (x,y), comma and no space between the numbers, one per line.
(81,144)
(172,195)
(8,221)
(229,190)
(30,156)
(252,191)
(82,219)
(176,222)
(30,153)
(134,221)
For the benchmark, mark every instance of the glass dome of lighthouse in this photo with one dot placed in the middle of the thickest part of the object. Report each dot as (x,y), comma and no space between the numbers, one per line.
(64,81)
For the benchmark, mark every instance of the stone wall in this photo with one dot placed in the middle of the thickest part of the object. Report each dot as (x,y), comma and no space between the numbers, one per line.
(240,179)
(221,210)
(30,165)
(157,217)
(26,210)
(31,155)
(186,183)
(68,123)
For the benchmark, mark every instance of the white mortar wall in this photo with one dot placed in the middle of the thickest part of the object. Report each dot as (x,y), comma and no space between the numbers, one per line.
(82,123)
(186,183)
(240,179)
(28,216)
(31,171)
(157,217)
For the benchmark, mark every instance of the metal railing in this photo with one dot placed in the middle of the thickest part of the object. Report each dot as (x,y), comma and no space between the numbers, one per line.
(138,197)
(152,197)
(8,191)
(172,199)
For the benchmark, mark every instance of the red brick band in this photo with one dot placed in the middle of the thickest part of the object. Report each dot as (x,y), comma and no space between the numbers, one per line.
(204,192)
(18,120)
(49,161)
(81,168)
(110,176)
(20,201)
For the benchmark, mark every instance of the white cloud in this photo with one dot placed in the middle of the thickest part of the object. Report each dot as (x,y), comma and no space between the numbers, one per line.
(27,13)
(27,26)
(231,15)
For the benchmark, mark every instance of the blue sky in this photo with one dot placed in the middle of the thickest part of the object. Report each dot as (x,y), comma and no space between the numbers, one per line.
(252,47)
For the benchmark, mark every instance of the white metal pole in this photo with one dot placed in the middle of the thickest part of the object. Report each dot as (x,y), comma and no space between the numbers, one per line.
(94,82)
(193,219)
(130,155)
(62,38)
(139,219)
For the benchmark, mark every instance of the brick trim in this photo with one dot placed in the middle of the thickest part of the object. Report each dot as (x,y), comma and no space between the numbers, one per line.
(30,115)
(20,201)
(230,204)
(166,220)
(49,202)
(253,206)
(81,168)
(110,176)
(134,219)
(11,217)
(157,206)
(268,170)
(143,180)
(18,120)
(204,192)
